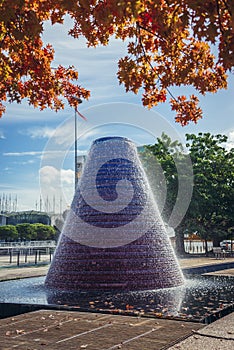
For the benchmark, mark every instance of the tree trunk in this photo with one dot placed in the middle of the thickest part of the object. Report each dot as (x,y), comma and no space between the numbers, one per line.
(216,240)
(179,247)
(206,247)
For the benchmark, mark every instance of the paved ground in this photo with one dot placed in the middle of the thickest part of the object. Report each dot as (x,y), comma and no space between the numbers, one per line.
(54,330)
(72,330)
(228,272)
(217,336)
(203,261)
(22,272)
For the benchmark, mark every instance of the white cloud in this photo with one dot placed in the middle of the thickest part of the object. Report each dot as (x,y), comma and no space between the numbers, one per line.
(64,134)
(231,135)
(29,161)
(40,132)
(2,135)
(21,154)
(48,154)
(52,176)
(59,183)
(230,142)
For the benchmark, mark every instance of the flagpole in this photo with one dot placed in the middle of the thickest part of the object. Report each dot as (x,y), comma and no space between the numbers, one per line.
(75,143)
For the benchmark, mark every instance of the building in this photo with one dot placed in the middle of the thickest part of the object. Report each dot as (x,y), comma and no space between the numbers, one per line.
(31,217)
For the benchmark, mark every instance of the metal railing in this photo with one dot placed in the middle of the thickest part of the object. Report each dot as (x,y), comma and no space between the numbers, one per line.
(28,244)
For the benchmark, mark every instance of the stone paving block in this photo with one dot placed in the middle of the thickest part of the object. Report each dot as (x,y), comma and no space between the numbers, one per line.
(57,330)
(223,327)
(218,335)
(197,342)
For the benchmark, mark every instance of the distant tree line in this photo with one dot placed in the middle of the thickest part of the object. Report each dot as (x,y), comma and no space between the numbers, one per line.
(27,232)
(210,212)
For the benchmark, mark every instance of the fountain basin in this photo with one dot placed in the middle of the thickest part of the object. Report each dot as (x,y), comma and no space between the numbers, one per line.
(200,299)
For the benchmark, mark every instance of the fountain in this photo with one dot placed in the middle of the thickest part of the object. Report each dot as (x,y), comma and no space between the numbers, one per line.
(114,237)
(114,254)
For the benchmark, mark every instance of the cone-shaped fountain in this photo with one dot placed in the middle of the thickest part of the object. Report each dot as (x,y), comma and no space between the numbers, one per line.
(113,237)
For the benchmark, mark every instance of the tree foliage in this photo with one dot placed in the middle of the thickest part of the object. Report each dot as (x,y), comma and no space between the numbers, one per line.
(160,165)
(43,232)
(8,233)
(26,64)
(25,232)
(161,162)
(211,209)
(210,213)
(170,43)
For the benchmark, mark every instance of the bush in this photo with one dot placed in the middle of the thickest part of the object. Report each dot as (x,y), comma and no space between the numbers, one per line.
(44,232)
(8,233)
(26,232)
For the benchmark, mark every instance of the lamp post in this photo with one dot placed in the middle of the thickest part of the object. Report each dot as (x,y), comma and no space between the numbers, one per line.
(75,136)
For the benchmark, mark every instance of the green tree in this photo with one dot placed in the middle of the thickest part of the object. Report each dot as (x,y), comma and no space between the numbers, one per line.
(160,165)
(44,232)
(8,233)
(26,232)
(162,161)
(211,209)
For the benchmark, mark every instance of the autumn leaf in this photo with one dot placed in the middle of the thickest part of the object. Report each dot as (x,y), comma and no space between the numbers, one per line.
(170,43)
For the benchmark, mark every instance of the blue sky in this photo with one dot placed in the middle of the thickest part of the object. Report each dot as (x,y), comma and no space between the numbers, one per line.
(37,149)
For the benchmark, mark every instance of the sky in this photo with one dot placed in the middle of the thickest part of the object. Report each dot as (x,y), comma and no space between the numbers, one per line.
(37,147)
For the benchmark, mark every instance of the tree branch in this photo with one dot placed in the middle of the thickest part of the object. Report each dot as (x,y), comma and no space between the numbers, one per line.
(150,64)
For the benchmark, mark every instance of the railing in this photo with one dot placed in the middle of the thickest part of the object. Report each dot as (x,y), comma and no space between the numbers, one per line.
(26,253)
(26,257)
(219,253)
(28,244)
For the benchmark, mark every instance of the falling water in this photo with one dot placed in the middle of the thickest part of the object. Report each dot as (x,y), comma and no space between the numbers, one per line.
(114,236)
